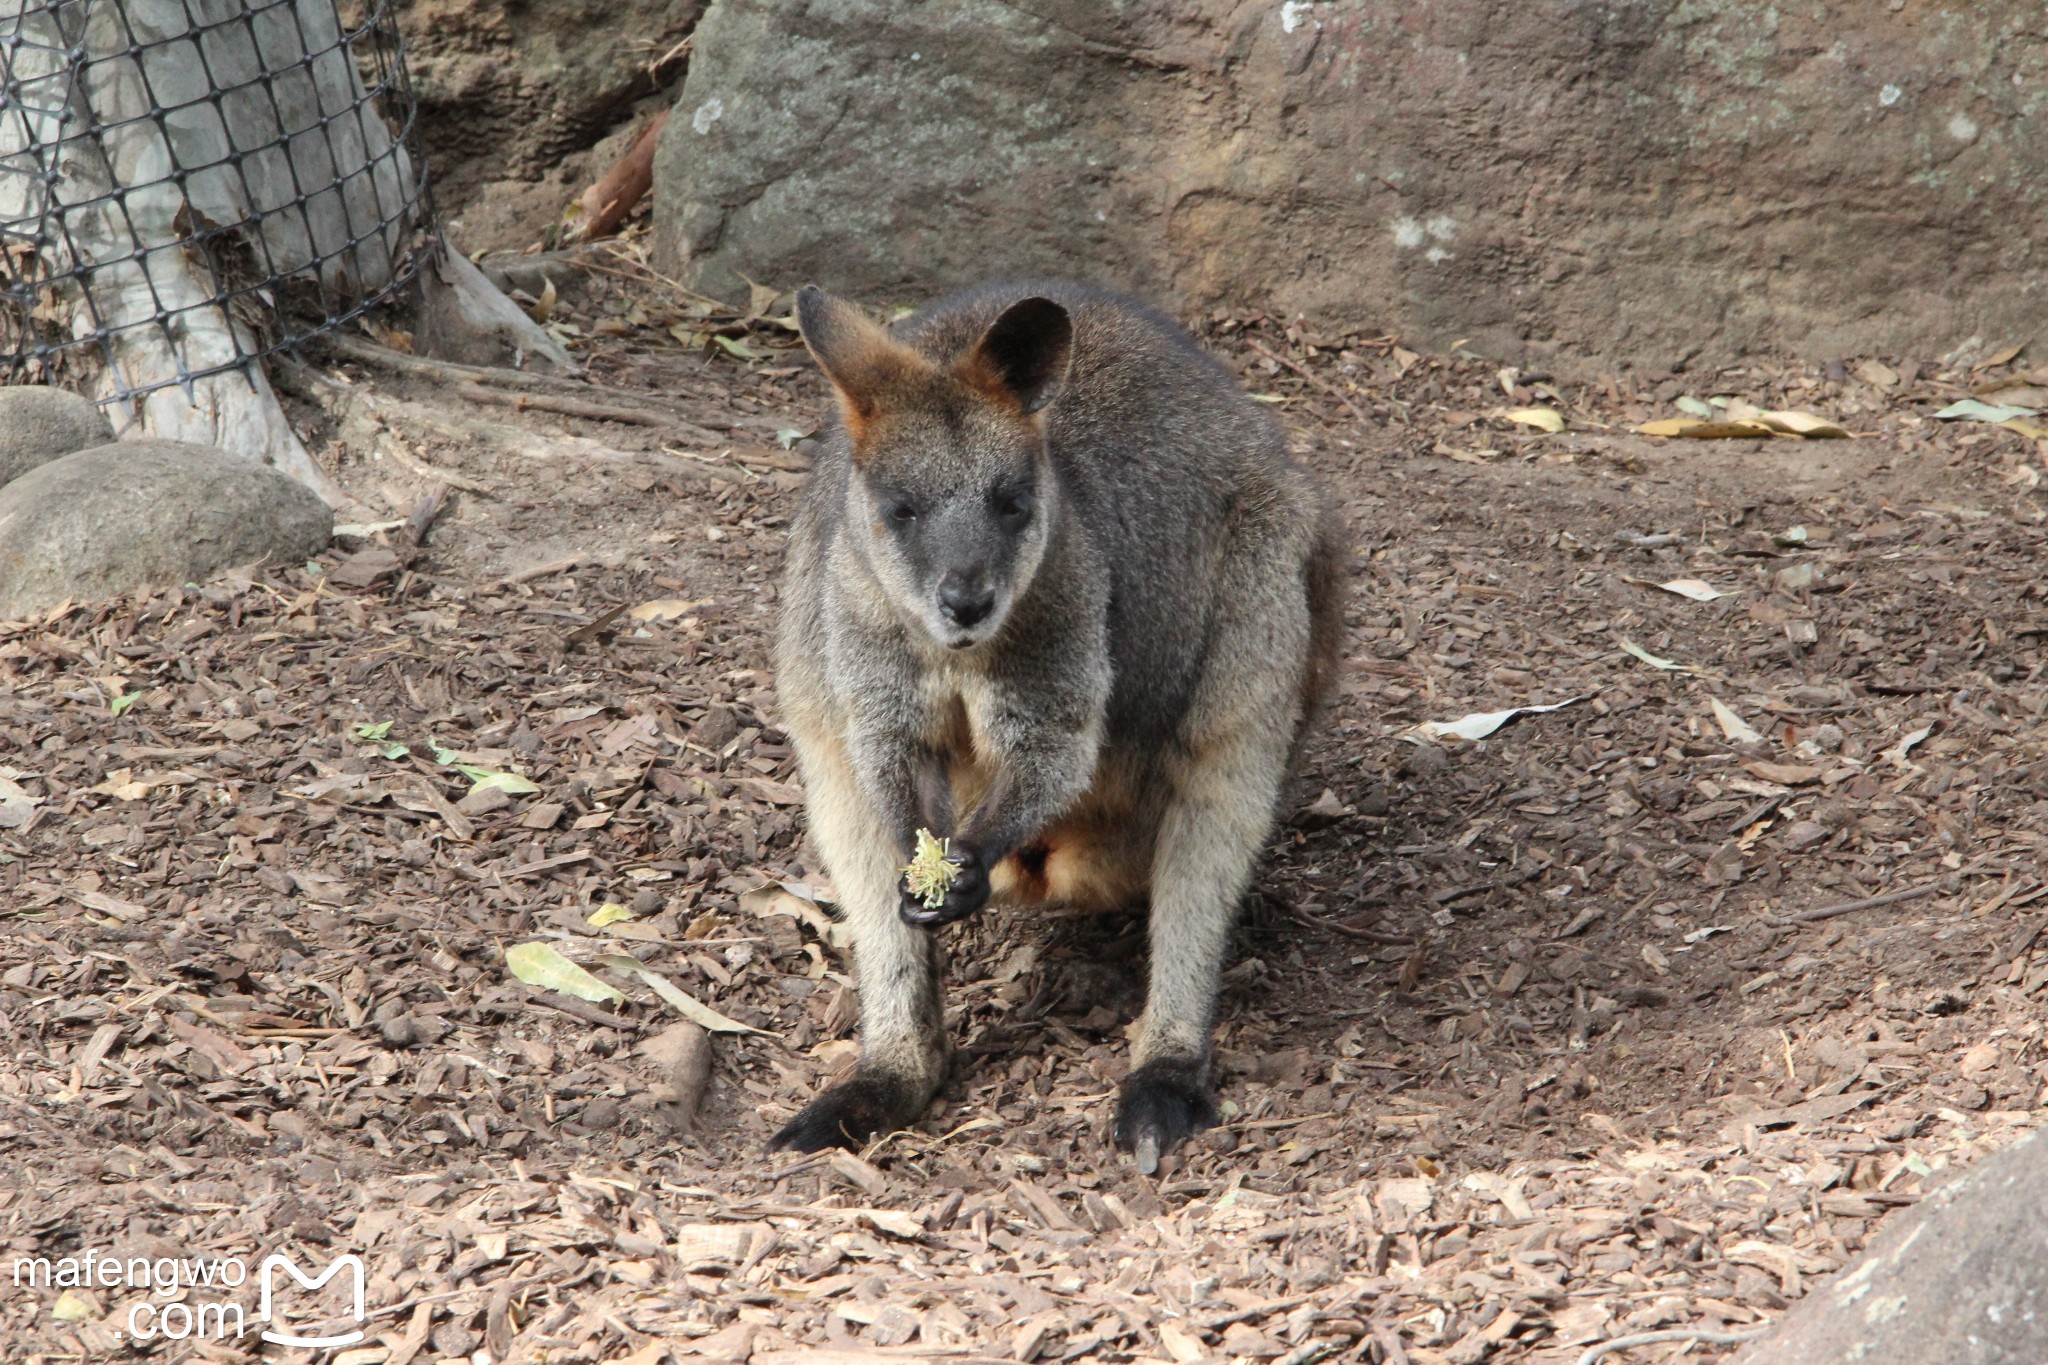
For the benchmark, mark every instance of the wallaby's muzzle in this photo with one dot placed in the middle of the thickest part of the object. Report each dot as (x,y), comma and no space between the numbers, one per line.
(966,598)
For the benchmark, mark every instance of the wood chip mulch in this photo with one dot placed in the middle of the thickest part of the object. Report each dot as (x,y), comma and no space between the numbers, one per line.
(1525,1045)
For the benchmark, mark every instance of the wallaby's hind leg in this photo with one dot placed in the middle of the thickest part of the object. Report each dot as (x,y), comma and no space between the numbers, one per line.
(1226,781)
(902,1025)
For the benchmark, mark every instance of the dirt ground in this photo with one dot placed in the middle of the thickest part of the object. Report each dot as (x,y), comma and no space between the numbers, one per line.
(1523,1048)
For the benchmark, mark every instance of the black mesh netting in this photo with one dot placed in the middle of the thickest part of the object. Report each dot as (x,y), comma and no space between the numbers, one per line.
(187,186)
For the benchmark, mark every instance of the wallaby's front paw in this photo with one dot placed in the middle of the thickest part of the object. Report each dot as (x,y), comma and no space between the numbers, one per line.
(849,1114)
(967,894)
(1162,1105)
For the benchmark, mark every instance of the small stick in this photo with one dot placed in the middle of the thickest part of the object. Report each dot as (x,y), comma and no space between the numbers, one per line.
(595,628)
(1689,1334)
(370,353)
(588,1013)
(1911,893)
(1353,931)
(1312,378)
(568,407)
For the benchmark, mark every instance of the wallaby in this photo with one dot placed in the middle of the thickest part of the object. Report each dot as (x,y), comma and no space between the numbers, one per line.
(1057,593)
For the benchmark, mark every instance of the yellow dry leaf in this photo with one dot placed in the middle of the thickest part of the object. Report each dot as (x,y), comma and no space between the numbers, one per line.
(1669,426)
(543,308)
(1543,419)
(538,964)
(2025,428)
(1804,424)
(1724,431)
(611,912)
(662,609)
(72,1306)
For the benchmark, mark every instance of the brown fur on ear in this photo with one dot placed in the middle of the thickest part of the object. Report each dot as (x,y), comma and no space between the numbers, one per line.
(1022,358)
(856,353)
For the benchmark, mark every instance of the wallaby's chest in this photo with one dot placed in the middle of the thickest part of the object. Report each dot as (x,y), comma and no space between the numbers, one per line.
(958,715)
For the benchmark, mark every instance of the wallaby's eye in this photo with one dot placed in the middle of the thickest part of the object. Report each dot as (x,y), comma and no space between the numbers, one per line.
(1013,507)
(898,510)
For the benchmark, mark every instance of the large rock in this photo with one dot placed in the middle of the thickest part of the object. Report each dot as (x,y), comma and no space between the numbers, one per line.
(513,96)
(38,424)
(101,522)
(1960,1278)
(1656,180)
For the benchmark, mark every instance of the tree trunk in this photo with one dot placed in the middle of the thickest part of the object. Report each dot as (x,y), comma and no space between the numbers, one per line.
(238,147)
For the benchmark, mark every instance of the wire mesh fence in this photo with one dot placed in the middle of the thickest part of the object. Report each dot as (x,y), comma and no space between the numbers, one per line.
(187,186)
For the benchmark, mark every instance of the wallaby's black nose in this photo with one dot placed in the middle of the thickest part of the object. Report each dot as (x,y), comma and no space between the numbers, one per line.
(965,602)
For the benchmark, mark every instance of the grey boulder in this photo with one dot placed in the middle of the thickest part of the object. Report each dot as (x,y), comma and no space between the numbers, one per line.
(1960,1278)
(104,521)
(38,424)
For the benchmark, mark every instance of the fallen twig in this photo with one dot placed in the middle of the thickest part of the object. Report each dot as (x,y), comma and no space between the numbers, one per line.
(573,407)
(1312,377)
(1353,931)
(362,415)
(1692,1334)
(589,1013)
(1911,893)
(370,353)
(594,628)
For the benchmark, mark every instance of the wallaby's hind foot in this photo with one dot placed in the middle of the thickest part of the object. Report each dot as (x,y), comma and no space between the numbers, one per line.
(1163,1104)
(850,1113)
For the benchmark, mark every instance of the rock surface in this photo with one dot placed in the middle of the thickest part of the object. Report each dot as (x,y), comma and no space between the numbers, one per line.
(1657,181)
(38,424)
(1960,1278)
(103,521)
(513,98)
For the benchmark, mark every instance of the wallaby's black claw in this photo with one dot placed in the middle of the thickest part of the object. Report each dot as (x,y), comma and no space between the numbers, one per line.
(1162,1106)
(848,1115)
(967,894)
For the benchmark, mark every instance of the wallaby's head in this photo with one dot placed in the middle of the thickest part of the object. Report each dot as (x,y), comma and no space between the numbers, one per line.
(952,495)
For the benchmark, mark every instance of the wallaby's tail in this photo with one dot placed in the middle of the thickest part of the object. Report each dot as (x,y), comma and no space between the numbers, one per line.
(1328,559)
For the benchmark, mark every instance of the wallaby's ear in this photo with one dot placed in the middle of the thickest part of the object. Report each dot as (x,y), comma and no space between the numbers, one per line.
(856,353)
(1024,354)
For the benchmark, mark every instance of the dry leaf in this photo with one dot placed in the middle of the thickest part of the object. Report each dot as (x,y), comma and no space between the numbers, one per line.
(1478,725)
(539,964)
(662,609)
(1805,424)
(543,307)
(16,805)
(1696,589)
(71,1306)
(1667,665)
(1897,753)
(1733,726)
(1543,419)
(1696,430)
(680,1000)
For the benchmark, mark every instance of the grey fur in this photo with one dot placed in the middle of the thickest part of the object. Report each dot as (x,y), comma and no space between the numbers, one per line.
(1161,633)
